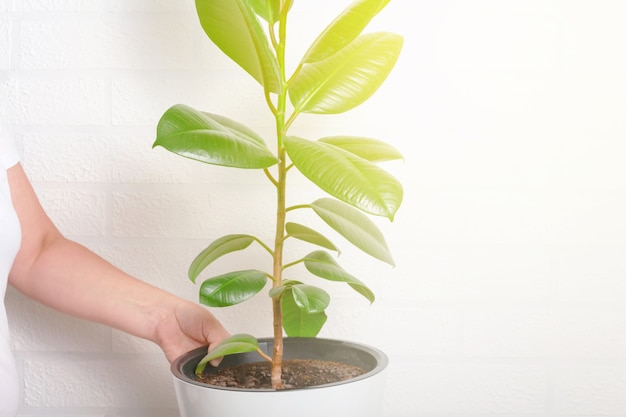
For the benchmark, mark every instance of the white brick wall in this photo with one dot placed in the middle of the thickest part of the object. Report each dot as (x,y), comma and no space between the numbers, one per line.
(509,294)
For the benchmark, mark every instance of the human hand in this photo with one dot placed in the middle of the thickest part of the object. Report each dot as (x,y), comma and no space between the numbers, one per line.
(189,326)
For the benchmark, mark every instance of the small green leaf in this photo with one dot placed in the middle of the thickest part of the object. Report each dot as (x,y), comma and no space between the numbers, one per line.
(211,139)
(238,343)
(233,27)
(232,288)
(299,323)
(320,263)
(345,176)
(346,79)
(307,234)
(372,150)
(280,290)
(309,298)
(353,225)
(217,249)
(347,26)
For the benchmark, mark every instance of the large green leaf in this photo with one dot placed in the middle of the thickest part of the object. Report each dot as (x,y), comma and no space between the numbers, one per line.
(211,139)
(347,78)
(353,225)
(217,249)
(347,26)
(237,343)
(320,263)
(299,323)
(346,176)
(372,150)
(307,234)
(233,27)
(232,288)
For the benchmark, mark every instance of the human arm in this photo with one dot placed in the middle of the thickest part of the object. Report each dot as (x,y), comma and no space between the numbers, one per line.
(68,277)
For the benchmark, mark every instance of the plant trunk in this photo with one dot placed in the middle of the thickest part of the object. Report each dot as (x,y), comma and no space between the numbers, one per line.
(277,357)
(281,187)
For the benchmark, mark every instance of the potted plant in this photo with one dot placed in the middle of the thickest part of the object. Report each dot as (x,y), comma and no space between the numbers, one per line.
(341,69)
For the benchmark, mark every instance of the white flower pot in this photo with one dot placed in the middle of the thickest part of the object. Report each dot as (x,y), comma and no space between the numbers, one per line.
(358,397)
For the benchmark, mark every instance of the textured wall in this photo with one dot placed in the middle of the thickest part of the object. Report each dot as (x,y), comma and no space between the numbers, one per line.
(509,295)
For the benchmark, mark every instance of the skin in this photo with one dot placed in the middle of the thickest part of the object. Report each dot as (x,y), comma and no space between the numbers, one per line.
(68,277)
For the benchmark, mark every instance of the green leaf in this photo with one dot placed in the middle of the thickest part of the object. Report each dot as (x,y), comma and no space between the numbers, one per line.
(232,26)
(299,323)
(310,299)
(348,78)
(211,139)
(269,10)
(320,263)
(217,249)
(238,343)
(353,225)
(280,290)
(232,288)
(372,150)
(346,176)
(347,26)
(309,235)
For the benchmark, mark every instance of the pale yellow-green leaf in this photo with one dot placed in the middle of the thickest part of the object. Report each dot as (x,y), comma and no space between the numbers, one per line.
(373,150)
(347,78)
(354,226)
(341,31)
(345,176)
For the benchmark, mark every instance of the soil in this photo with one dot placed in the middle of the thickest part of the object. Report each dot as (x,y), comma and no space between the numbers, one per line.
(297,373)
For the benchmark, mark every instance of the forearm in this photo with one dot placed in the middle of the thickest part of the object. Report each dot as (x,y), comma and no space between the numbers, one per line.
(70,278)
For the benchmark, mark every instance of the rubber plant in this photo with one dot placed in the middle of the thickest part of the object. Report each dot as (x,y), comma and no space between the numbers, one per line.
(341,69)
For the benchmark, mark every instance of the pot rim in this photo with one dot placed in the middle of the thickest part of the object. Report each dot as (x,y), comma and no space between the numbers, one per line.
(374,354)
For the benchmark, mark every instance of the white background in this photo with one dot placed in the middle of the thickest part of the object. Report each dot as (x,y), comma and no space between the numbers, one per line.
(509,294)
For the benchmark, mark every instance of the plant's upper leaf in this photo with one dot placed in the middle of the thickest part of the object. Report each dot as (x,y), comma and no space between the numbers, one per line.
(307,234)
(232,26)
(211,139)
(217,249)
(232,288)
(320,263)
(297,322)
(372,150)
(347,26)
(237,343)
(346,176)
(266,9)
(348,78)
(353,225)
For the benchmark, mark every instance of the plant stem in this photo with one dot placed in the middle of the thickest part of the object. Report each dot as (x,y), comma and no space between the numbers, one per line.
(263,355)
(277,356)
(281,182)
